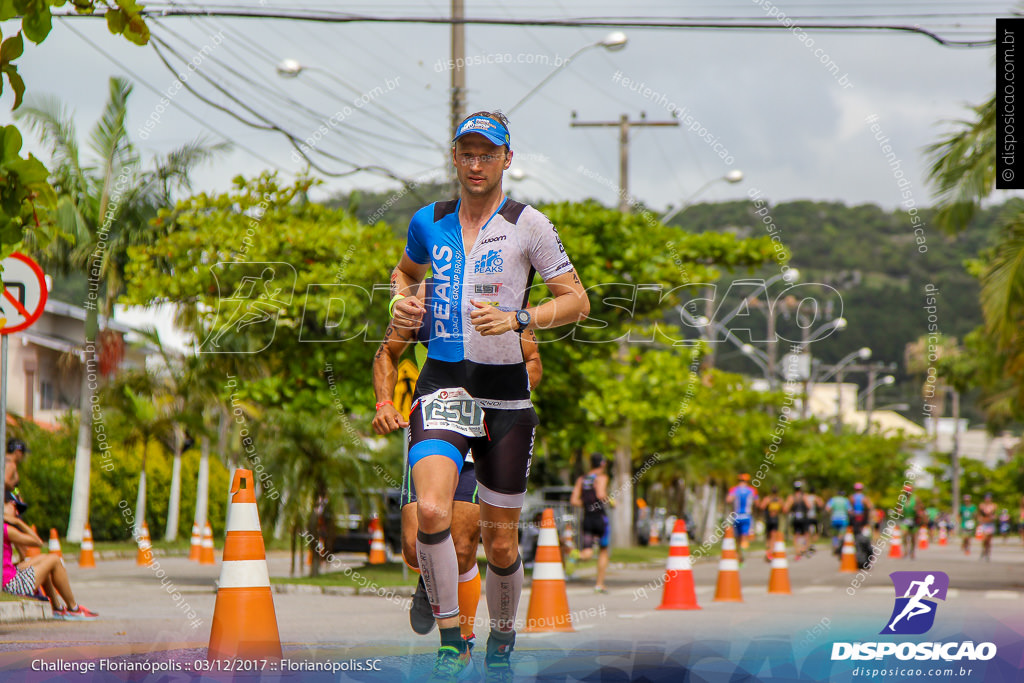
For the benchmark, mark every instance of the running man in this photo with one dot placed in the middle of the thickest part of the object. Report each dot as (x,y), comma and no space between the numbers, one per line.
(465,509)
(591,494)
(798,509)
(838,508)
(987,526)
(914,606)
(474,391)
(968,510)
(771,508)
(742,498)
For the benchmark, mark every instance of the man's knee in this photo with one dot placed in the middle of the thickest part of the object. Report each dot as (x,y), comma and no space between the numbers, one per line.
(466,550)
(433,515)
(503,550)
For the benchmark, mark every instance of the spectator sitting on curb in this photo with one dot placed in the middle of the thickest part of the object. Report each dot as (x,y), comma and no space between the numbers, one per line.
(42,570)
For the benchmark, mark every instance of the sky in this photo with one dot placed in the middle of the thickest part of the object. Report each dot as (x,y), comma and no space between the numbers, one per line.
(763,102)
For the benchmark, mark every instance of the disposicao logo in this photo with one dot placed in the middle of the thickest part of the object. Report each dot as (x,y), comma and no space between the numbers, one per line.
(914,611)
(914,614)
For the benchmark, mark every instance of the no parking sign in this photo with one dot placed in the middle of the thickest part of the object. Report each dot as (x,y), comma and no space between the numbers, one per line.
(24,293)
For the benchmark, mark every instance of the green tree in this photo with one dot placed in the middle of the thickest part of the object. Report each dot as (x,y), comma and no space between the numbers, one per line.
(262,253)
(104,206)
(25,193)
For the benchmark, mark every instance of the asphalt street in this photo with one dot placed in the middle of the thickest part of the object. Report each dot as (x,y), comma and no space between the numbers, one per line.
(620,632)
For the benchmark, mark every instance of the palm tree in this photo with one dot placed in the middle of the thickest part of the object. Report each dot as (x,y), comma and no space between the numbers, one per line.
(105,204)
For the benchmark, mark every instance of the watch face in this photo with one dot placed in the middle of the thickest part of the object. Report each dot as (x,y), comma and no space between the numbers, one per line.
(523,317)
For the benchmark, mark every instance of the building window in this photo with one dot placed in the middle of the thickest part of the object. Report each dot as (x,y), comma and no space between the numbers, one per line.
(46,396)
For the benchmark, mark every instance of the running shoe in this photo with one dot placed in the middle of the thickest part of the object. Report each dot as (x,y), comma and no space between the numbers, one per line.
(80,613)
(451,665)
(497,668)
(421,616)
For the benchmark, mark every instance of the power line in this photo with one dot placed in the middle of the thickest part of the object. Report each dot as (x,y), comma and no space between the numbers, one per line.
(339,18)
(141,81)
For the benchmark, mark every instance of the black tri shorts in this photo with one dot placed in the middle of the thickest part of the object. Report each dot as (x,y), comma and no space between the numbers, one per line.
(502,457)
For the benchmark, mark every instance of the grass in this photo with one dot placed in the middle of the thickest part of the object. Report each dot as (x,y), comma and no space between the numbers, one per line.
(7,597)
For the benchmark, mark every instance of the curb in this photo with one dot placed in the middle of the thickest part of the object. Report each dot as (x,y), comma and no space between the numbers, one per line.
(308,589)
(24,610)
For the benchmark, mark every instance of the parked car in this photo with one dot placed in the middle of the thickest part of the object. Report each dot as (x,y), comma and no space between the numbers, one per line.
(352,529)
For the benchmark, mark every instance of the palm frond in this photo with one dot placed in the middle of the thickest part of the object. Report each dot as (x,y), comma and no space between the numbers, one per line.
(962,167)
(1002,284)
(109,137)
(54,123)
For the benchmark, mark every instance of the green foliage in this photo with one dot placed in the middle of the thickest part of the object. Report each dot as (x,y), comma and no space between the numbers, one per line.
(47,473)
(25,191)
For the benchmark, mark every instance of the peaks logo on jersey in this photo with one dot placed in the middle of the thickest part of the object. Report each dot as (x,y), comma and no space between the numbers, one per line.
(496,238)
(914,612)
(487,288)
(491,262)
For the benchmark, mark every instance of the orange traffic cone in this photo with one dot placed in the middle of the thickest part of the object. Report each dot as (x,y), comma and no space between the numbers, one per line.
(922,539)
(977,533)
(377,554)
(727,588)
(32,551)
(244,621)
(896,549)
(85,555)
(55,543)
(195,547)
(679,589)
(943,538)
(206,551)
(145,554)
(778,580)
(655,537)
(549,603)
(848,562)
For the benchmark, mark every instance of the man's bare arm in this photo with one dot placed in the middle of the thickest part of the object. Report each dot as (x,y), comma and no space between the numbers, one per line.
(531,356)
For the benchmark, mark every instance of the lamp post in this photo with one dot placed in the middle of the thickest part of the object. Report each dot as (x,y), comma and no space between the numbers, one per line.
(869,396)
(732,177)
(862,353)
(613,42)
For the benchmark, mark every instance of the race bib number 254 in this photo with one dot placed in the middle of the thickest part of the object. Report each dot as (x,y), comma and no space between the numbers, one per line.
(454,410)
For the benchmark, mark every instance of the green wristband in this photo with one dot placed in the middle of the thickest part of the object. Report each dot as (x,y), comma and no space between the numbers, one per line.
(391,306)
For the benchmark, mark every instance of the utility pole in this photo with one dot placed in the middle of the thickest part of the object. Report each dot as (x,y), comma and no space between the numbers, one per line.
(623,124)
(458,94)
(622,466)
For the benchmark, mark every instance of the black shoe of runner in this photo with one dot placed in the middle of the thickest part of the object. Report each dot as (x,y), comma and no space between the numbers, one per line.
(421,616)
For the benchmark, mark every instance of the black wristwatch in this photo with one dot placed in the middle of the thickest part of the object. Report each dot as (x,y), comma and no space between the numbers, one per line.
(523,318)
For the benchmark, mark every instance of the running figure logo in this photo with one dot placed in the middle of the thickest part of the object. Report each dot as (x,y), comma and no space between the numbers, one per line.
(251,311)
(913,612)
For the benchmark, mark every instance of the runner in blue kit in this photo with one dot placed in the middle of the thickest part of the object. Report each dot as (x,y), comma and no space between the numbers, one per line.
(742,498)
(483,250)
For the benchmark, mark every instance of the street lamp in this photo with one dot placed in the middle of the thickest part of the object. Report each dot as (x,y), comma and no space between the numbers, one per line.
(862,353)
(613,42)
(732,177)
(869,394)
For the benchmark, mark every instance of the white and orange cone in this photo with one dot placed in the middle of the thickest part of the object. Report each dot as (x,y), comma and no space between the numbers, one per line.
(32,551)
(778,580)
(655,537)
(549,603)
(680,592)
(727,588)
(377,553)
(244,620)
(144,558)
(195,547)
(943,537)
(896,549)
(922,539)
(848,561)
(54,545)
(86,560)
(206,550)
